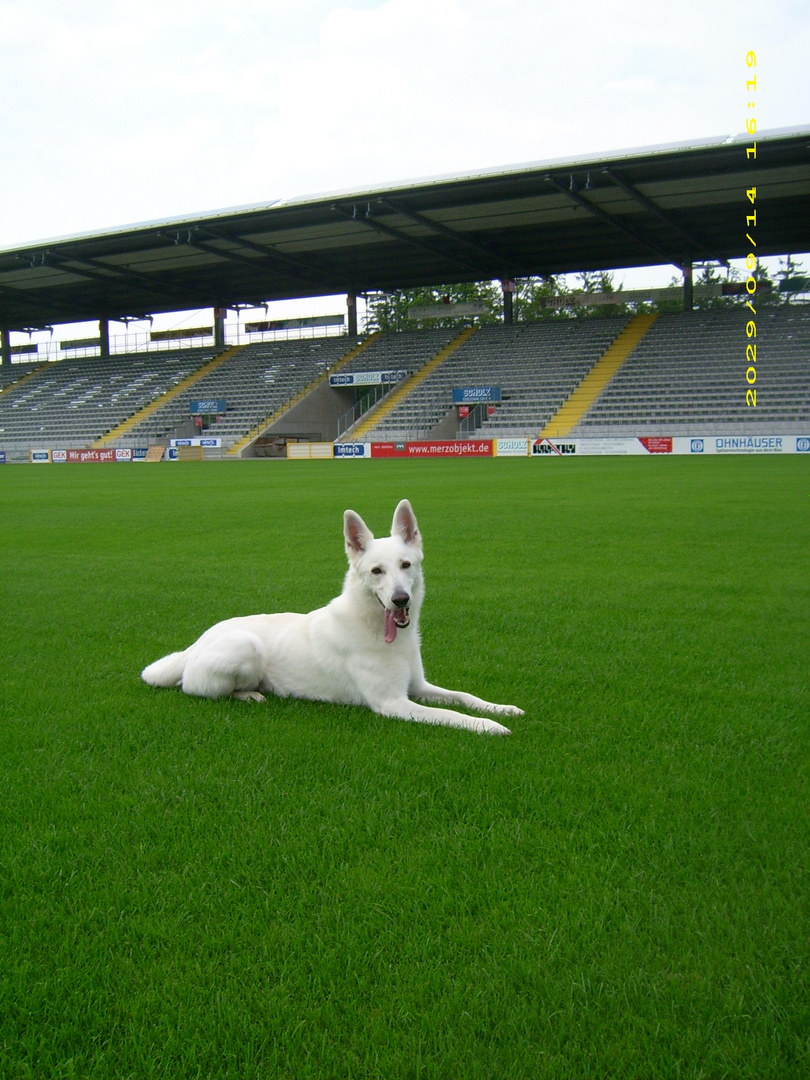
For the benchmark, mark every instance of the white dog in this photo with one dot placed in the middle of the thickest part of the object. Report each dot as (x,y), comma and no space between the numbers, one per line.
(361,649)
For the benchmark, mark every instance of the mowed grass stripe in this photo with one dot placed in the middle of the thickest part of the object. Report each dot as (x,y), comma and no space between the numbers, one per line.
(193,888)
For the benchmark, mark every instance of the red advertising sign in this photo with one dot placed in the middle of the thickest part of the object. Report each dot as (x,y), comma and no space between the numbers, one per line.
(656,444)
(457,448)
(463,411)
(90,455)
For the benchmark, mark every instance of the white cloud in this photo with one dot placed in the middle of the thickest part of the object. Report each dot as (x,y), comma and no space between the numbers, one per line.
(126,111)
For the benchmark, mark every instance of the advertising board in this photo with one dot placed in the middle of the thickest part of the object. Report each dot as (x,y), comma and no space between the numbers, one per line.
(472,395)
(511,447)
(367,378)
(433,449)
(353,450)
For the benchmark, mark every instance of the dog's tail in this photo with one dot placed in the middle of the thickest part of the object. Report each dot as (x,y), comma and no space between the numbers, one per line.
(168,671)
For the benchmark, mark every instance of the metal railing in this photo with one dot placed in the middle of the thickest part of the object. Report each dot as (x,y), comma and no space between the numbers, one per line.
(472,421)
(367,402)
(50,349)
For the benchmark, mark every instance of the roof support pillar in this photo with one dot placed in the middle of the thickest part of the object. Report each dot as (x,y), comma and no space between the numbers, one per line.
(688,292)
(5,346)
(104,337)
(508,287)
(220,314)
(351,305)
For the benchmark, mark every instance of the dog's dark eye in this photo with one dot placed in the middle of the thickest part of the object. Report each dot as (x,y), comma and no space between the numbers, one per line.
(405,565)
(376,570)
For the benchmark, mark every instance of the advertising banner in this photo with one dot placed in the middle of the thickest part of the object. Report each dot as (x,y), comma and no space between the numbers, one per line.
(656,444)
(511,447)
(208,407)
(447,309)
(40,457)
(353,450)
(103,457)
(200,441)
(553,447)
(367,378)
(666,444)
(742,444)
(457,448)
(748,444)
(294,324)
(472,395)
(81,457)
(180,335)
(306,450)
(592,447)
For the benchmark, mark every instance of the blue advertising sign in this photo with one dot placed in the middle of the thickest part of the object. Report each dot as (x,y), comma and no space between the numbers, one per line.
(352,450)
(208,406)
(472,395)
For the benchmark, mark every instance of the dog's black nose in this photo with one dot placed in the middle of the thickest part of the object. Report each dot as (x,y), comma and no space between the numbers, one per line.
(400,600)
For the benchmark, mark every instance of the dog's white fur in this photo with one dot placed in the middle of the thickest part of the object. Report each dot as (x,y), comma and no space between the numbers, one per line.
(361,649)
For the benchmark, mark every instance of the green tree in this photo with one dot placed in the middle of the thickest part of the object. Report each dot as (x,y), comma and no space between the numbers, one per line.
(789,281)
(710,275)
(599,281)
(388,311)
(533,296)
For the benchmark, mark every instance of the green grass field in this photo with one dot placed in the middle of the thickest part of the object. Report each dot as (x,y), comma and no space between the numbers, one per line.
(299,890)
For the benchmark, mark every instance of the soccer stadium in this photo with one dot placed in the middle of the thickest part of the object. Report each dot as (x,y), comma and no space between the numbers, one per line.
(647,372)
(614,499)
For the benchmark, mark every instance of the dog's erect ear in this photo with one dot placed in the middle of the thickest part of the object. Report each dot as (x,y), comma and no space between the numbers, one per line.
(405,525)
(356,533)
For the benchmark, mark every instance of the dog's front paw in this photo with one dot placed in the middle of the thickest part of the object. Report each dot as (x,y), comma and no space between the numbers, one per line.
(491,727)
(507,710)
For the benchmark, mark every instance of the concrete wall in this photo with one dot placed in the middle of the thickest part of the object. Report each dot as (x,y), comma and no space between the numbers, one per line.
(446,428)
(315,417)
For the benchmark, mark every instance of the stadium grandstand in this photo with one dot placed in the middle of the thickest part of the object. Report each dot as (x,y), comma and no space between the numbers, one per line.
(678,372)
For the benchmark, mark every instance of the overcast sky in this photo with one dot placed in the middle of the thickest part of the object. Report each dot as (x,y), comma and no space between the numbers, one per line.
(122,111)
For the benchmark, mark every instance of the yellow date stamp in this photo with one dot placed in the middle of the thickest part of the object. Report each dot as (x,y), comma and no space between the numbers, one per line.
(751,226)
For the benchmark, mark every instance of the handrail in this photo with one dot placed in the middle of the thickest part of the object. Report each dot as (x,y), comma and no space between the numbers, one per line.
(361,407)
(473,420)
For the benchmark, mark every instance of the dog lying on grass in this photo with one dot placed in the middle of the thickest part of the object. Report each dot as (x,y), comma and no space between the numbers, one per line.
(361,649)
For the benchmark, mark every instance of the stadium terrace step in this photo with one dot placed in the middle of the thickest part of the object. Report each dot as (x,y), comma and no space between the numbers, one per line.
(575,407)
(377,415)
(25,377)
(158,403)
(254,433)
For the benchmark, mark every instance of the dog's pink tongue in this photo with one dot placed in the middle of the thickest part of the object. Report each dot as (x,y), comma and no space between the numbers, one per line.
(390,626)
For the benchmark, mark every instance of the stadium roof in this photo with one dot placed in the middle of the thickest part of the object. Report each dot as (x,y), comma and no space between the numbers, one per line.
(677,203)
